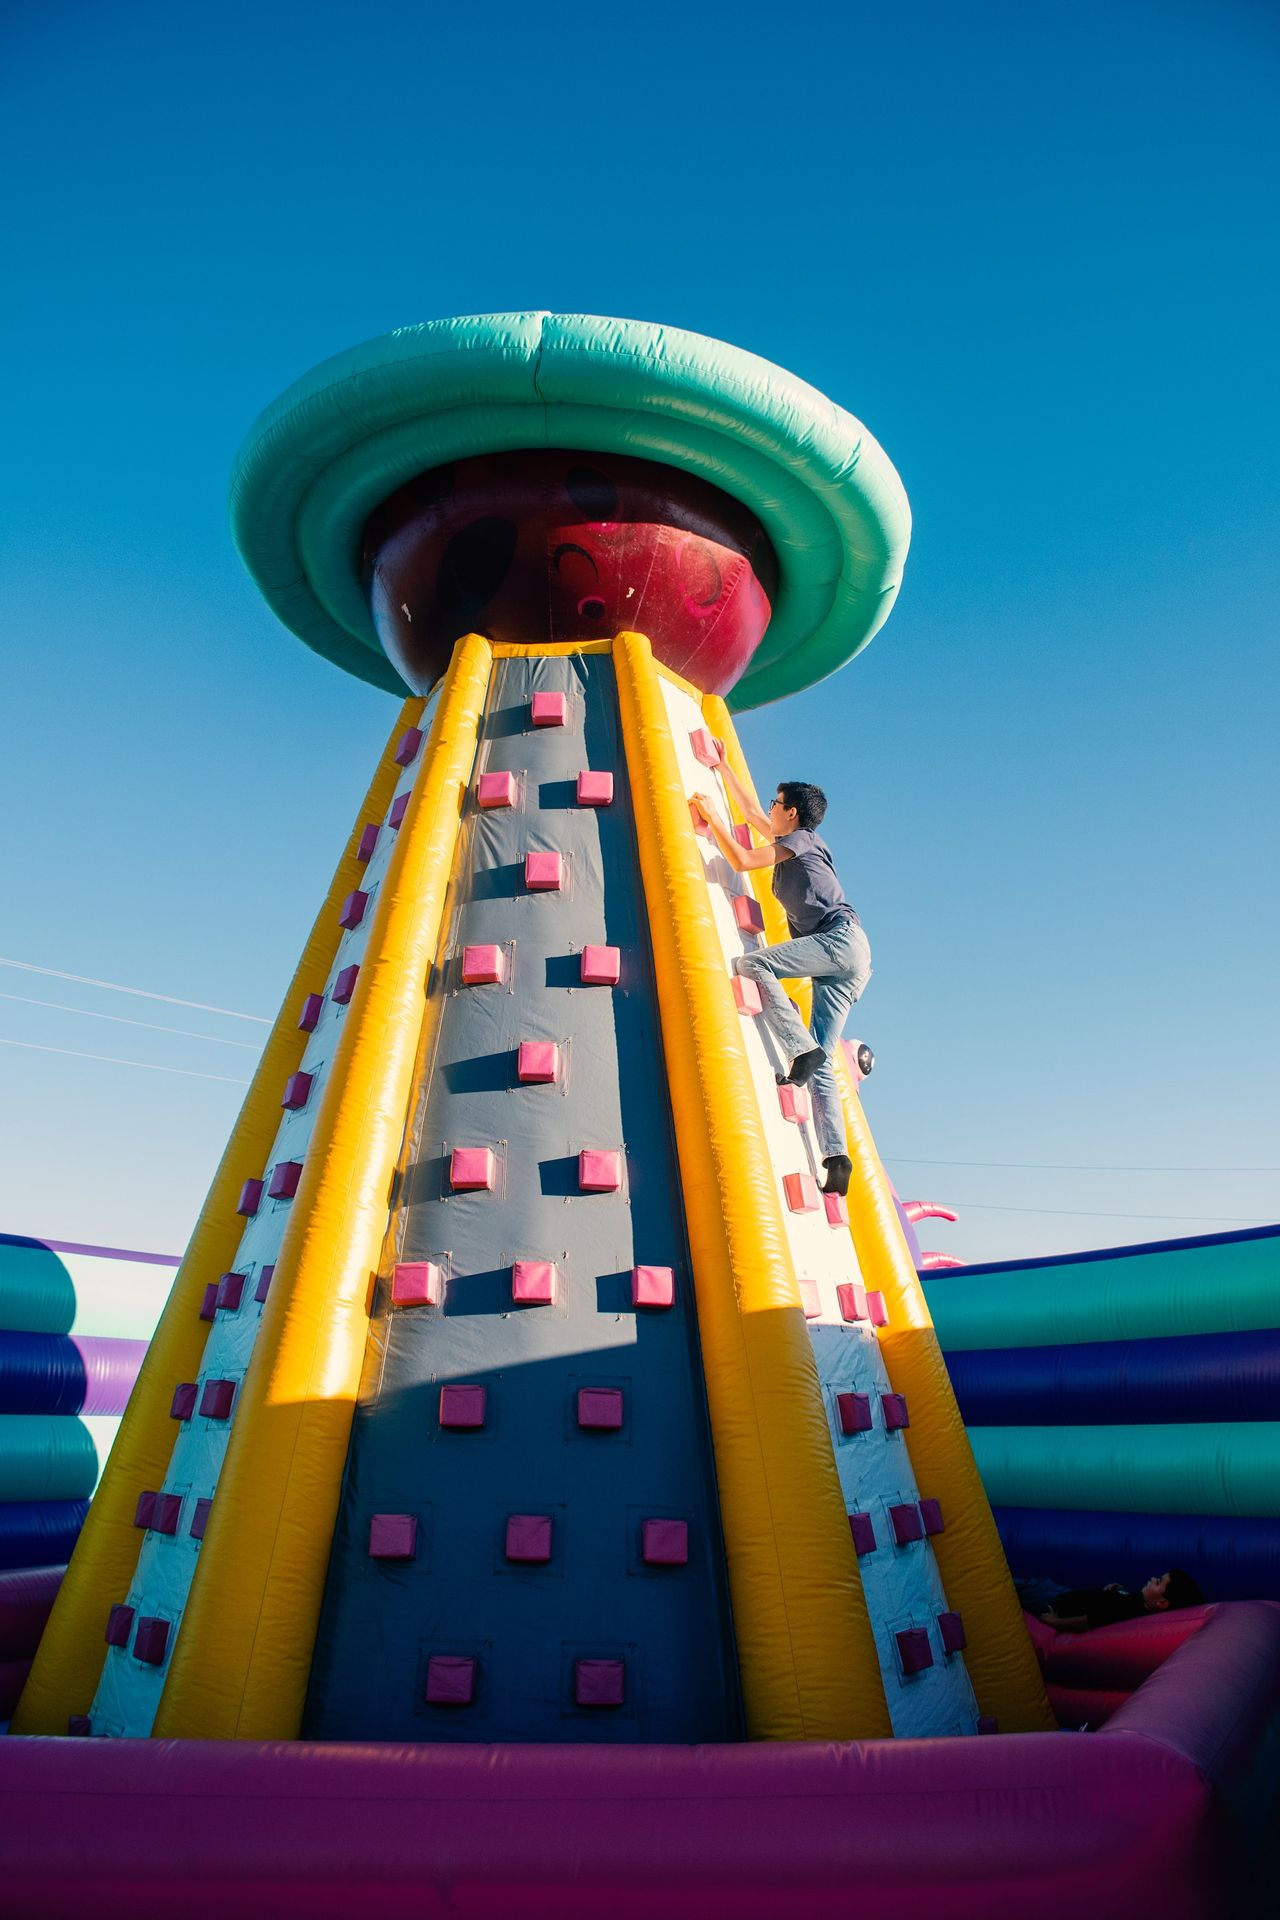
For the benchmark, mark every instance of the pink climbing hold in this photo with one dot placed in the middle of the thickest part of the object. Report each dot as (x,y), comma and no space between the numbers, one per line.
(353,909)
(704,747)
(285,1176)
(533,1283)
(528,1539)
(801,1190)
(653,1287)
(595,788)
(537,1062)
(463,1406)
(664,1543)
(598,1683)
(393,1536)
(407,746)
(747,913)
(472,1169)
(794,1103)
(810,1299)
(600,966)
(543,872)
(451,1680)
(345,985)
(746,995)
(853,1300)
(495,790)
(837,1210)
(416,1283)
(600,1409)
(483,966)
(368,843)
(599,1170)
(549,710)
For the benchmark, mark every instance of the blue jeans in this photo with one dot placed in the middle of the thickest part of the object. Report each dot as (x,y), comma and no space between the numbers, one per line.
(839,964)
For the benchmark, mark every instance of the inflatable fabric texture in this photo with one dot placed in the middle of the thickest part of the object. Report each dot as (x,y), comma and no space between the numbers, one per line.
(338,442)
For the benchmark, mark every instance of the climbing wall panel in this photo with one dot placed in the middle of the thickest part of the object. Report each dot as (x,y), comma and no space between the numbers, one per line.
(528,1544)
(919,1639)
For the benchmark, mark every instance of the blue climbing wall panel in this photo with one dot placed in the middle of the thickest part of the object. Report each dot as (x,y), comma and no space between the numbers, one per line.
(528,1545)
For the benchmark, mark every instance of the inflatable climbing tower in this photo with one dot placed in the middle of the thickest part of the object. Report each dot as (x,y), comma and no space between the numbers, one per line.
(519,1383)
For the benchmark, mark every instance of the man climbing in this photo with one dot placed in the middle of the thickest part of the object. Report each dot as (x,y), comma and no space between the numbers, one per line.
(827,946)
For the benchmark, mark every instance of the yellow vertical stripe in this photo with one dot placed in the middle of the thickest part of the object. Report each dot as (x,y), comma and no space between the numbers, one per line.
(244,1651)
(999,1657)
(64,1677)
(807,1658)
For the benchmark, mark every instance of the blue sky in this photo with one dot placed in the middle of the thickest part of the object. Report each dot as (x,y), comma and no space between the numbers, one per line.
(1033,248)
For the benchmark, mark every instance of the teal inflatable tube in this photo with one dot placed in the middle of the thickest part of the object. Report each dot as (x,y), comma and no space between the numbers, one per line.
(47,1456)
(353,430)
(1230,1468)
(1230,1285)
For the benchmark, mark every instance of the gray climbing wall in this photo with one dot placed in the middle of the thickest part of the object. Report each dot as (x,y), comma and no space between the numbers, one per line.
(528,1545)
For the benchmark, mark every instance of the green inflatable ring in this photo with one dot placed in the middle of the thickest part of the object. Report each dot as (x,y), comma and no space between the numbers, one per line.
(337,442)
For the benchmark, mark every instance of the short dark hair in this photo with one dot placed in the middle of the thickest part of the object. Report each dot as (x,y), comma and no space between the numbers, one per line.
(1182,1590)
(809,802)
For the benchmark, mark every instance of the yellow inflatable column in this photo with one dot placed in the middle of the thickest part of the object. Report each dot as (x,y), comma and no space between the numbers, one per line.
(806,1654)
(999,1657)
(67,1667)
(244,1650)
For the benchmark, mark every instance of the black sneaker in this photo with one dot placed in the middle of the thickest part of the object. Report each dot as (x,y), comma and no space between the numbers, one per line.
(803,1068)
(839,1167)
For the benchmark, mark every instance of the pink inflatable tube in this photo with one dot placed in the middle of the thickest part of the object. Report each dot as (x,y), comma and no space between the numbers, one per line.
(1139,1818)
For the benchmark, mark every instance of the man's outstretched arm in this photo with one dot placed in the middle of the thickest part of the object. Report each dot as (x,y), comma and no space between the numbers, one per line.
(747,807)
(741,859)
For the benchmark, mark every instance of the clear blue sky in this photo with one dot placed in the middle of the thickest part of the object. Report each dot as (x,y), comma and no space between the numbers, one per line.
(1032,247)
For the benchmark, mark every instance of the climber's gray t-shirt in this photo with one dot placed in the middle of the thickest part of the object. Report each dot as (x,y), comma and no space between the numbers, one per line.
(807,886)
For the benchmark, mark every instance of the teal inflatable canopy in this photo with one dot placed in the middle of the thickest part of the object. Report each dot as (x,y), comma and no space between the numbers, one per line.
(348,434)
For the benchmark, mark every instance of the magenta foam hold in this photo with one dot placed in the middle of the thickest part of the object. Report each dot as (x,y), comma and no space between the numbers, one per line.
(854,1412)
(595,788)
(600,1409)
(230,1292)
(852,1298)
(483,966)
(473,1169)
(151,1640)
(931,1516)
(905,1521)
(399,808)
(285,1176)
(914,1650)
(263,1287)
(653,1287)
(528,1538)
(312,1008)
(801,1190)
(543,872)
(393,1536)
(184,1401)
(165,1512)
(746,995)
(250,1198)
(495,790)
(416,1283)
(200,1519)
(119,1626)
(862,1528)
(297,1091)
(533,1283)
(216,1400)
(345,985)
(951,1629)
(748,913)
(463,1406)
(599,1170)
(600,966)
(664,1543)
(353,909)
(549,710)
(810,1299)
(537,1062)
(451,1680)
(368,843)
(599,1683)
(895,1412)
(145,1508)
(407,746)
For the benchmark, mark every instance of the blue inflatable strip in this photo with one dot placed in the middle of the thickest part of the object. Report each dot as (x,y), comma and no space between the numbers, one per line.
(1232,1559)
(39,1533)
(56,1373)
(1195,1243)
(1185,1377)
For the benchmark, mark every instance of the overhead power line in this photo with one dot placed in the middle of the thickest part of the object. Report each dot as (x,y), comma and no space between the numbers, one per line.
(1065,1166)
(143,993)
(1089,1213)
(110,1060)
(120,1019)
